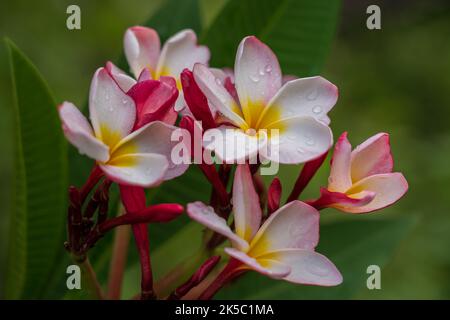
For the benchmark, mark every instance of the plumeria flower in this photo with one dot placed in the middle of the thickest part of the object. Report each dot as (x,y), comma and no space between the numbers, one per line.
(148,61)
(140,157)
(282,247)
(298,109)
(362,180)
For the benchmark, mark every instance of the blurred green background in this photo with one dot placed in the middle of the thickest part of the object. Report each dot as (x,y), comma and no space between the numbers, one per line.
(395,80)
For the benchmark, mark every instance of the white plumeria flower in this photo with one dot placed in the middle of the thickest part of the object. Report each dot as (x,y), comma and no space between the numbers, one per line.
(282,247)
(298,109)
(147,60)
(140,158)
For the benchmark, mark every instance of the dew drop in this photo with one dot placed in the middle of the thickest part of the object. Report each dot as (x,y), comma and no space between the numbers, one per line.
(218,81)
(261,72)
(124,101)
(313,95)
(300,150)
(317,109)
(254,79)
(268,68)
(310,142)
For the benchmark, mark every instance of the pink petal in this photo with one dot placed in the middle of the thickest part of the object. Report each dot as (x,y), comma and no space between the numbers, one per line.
(373,156)
(268,267)
(112,112)
(388,188)
(340,179)
(300,139)
(124,81)
(206,216)
(312,97)
(217,95)
(79,132)
(154,101)
(274,196)
(257,72)
(246,207)
(181,51)
(143,170)
(308,267)
(142,47)
(293,226)
(156,138)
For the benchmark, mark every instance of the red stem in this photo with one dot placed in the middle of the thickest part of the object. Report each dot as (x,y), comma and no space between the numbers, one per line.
(93,179)
(230,271)
(308,171)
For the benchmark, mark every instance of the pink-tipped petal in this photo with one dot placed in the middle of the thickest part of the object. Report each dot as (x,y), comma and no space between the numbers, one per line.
(143,170)
(340,179)
(112,112)
(232,145)
(312,97)
(274,196)
(341,200)
(159,138)
(79,133)
(246,206)
(300,139)
(142,47)
(373,156)
(124,81)
(217,95)
(308,267)
(206,216)
(388,188)
(268,267)
(257,73)
(181,51)
(293,226)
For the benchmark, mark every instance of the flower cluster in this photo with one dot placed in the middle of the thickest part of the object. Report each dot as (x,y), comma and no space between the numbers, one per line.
(230,123)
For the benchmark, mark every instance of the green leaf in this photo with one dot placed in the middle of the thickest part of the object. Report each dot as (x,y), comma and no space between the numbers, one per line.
(298,31)
(351,245)
(40,184)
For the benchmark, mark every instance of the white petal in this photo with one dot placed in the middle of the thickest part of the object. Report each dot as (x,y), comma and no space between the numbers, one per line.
(373,156)
(388,188)
(142,47)
(268,267)
(300,139)
(340,179)
(246,207)
(218,95)
(293,226)
(311,97)
(124,81)
(156,138)
(79,132)
(179,52)
(206,216)
(233,145)
(144,170)
(112,112)
(257,72)
(308,267)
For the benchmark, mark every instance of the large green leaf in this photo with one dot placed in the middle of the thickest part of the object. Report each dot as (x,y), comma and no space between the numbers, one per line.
(39,205)
(351,245)
(299,31)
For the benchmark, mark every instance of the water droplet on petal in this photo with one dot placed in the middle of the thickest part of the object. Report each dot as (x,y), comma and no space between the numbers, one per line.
(255,79)
(268,68)
(218,81)
(261,72)
(124,101)
(313,95)
(310,142)
(317,109)
(300,150)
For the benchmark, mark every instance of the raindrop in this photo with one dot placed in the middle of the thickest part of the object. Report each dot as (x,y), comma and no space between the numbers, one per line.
(261,72)
(300,150)
(218,81)
(268,68)
(124,101)
(313,95)
(254,79)
(310,142)
(317,109)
